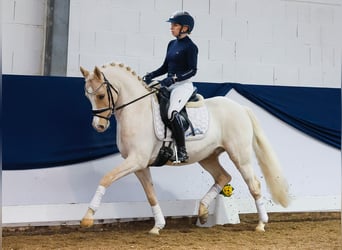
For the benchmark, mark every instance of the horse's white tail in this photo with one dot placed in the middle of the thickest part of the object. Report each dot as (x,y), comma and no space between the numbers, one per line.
(269,164)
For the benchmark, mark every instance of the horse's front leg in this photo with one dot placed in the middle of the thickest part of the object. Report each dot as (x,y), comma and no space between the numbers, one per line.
(145,178)
(130,165)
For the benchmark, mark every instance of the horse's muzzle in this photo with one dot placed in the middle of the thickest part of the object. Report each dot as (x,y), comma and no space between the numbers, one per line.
(100,126)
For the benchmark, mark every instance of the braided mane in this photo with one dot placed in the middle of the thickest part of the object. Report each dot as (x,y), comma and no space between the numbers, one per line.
(122,65)
(129,69)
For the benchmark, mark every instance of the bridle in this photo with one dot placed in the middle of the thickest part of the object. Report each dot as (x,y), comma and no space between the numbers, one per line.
(111,104)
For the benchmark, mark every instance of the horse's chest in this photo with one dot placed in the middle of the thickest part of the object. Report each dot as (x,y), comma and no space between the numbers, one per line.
(130,135)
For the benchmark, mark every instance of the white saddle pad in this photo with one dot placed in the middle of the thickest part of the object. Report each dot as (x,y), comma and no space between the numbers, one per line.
(197,115)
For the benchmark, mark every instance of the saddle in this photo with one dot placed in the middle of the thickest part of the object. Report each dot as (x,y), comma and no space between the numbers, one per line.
(163,96)
(194,122)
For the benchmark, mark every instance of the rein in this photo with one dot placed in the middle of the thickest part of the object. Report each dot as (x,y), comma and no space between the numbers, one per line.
(133,101)
(111,104)
(141,97)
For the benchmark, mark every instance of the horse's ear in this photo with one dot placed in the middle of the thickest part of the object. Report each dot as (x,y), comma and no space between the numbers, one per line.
(84,72)
(97,73)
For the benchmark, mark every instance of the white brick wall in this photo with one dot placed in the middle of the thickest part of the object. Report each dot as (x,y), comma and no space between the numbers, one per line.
(283,42)
(277,42)
(23,36)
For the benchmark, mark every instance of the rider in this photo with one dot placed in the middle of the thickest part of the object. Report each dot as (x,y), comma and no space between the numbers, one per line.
(180,64)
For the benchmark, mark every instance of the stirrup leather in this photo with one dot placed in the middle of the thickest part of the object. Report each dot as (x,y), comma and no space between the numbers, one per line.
(180,155)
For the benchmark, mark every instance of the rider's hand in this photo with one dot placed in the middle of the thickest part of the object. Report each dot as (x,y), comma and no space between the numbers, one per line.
(168,81)
(148,78)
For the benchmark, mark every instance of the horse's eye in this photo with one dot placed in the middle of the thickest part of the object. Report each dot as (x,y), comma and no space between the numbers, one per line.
(100,97)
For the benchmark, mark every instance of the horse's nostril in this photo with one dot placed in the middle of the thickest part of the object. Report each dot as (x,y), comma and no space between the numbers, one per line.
(100,127)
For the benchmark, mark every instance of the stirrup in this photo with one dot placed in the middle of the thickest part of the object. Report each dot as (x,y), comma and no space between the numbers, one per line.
(183,159)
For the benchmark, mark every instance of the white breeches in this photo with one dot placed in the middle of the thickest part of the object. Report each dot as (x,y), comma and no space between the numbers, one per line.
(180,94)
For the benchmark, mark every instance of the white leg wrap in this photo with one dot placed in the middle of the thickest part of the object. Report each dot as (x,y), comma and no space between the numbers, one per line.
(96,201)
(260,205)
(158,217)
(211,195)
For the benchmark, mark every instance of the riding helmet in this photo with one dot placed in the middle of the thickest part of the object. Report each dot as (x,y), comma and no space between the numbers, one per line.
(183,18)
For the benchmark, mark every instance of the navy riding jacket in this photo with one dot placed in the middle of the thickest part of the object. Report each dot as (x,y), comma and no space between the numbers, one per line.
(180,60)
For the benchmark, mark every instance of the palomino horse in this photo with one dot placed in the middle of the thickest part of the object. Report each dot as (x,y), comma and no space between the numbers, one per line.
(116,89)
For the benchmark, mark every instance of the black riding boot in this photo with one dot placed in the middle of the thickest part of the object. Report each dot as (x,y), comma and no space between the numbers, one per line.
(178,134)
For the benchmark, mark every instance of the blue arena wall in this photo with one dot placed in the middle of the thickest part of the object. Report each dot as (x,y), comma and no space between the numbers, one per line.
(47,120)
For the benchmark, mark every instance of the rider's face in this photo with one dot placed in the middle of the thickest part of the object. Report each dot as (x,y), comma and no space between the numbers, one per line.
(176,29)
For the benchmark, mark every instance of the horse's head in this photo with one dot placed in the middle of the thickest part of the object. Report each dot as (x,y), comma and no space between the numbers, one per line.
(99,92)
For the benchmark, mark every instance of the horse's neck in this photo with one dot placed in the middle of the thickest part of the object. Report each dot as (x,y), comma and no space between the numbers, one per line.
(130,89)
(134,120)
(128,85)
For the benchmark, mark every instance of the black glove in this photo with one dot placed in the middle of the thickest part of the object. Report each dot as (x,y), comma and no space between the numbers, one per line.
(168,81)
(148,78)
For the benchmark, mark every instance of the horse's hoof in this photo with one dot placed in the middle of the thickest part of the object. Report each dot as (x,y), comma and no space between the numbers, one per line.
(260,227)
(203,219)
(87,222)
(154,231)
(203,214)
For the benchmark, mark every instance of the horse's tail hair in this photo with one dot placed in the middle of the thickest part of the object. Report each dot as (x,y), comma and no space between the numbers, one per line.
(269,164)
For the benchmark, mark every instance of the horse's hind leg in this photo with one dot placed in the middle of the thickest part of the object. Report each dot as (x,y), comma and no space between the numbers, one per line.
(253,184)
(145,179)
(221,177)
(242,161)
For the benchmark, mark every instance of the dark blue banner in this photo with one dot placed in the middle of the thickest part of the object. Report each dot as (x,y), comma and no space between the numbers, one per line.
(314,111)
(47,120)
